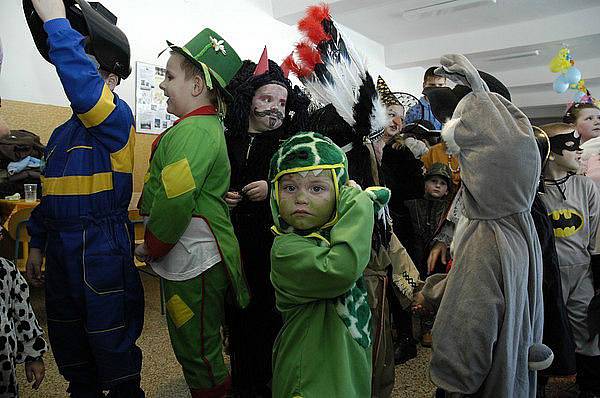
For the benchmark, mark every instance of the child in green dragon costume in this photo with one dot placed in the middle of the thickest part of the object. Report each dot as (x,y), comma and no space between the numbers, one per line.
(324,226)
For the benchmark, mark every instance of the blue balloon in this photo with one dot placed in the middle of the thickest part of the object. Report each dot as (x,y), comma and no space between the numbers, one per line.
(573,75)
(578,96)
(560,84)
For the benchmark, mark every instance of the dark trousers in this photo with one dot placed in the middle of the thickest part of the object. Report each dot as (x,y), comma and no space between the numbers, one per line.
(95,307)
(252,330)
(588,373)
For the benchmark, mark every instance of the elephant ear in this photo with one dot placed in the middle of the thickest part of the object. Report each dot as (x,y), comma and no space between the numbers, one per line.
(460,70)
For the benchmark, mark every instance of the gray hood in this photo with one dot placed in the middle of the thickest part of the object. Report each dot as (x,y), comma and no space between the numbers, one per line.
(498,156)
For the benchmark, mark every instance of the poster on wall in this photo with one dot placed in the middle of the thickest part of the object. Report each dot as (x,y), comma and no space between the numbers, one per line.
(151,115)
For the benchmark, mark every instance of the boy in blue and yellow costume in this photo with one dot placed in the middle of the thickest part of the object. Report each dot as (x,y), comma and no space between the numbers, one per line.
(94,297)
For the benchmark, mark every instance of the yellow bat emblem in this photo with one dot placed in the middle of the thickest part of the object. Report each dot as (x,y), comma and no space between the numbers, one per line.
(566,222)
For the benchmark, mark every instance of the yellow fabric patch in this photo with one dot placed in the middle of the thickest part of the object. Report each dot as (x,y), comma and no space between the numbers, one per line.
(101,110)
(146,177)
(77,185)
(179,312)
(177,178)
(122,160)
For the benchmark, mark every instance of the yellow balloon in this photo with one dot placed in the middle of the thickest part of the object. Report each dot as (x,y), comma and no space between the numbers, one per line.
(559,64)
(556,65)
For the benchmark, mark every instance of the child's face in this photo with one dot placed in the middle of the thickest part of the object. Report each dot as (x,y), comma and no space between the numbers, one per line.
(396,115)
(436,187)
(307,202)
(565,151)
(588,123)
(569,161)
(434,81)
(177,88)
(268,108)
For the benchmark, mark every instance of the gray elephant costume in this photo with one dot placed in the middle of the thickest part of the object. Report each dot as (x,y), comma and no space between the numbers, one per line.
(491,313)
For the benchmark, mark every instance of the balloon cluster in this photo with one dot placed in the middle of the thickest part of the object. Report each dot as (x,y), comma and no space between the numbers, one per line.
(569,77)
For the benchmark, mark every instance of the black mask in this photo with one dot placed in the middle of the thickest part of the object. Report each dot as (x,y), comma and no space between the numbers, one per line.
(564,142)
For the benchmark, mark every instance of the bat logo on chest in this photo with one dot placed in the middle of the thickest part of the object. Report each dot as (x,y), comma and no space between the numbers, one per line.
(566,222)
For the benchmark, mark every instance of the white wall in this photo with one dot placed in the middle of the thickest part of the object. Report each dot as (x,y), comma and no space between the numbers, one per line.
(246,24)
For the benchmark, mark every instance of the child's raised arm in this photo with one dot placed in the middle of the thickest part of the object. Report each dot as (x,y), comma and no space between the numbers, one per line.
(305,270)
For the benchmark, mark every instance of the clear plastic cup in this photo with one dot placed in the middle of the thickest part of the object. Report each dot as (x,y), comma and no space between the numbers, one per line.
(30,192)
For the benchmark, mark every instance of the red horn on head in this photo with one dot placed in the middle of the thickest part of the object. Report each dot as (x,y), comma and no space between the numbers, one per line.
(263,63)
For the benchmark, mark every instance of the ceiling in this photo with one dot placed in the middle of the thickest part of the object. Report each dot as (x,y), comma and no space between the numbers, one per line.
(483,31)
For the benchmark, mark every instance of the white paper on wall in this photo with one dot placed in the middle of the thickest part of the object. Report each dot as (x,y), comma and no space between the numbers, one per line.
(151,115)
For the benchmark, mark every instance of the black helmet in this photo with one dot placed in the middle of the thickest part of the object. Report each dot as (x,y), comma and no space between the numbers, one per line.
(107,43)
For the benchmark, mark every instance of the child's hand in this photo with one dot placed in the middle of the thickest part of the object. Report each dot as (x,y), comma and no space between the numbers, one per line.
(438,252)
(256,191)
(49,9)
(35,370)
(353,184)
(33,266)
(420,306)
(417,147)
(142,253)
(232,199)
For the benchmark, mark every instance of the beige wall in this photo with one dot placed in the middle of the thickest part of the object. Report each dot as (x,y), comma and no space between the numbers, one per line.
(43,119)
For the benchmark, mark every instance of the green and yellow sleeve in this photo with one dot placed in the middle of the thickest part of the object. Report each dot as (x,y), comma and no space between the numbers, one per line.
(186,157)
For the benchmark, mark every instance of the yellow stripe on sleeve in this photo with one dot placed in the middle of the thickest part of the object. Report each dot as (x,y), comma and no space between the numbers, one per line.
(77,185)
(101,110)
(177,178)
(122,160)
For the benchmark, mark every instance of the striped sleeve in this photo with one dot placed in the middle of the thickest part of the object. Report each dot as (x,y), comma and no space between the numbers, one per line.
(99,109)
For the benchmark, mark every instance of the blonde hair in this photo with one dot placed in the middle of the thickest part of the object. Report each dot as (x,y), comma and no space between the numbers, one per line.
(553,129)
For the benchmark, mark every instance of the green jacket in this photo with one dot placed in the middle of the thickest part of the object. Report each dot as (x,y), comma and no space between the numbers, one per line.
(321,352)
(188,177)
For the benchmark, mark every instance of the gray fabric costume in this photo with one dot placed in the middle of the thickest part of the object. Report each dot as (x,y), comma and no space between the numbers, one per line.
(575,218)
(491,312)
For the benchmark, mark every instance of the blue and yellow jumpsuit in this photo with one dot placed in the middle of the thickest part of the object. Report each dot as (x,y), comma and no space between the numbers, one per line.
(94,296)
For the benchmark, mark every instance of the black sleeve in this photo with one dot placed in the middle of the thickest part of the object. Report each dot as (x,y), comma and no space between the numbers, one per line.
(596,270)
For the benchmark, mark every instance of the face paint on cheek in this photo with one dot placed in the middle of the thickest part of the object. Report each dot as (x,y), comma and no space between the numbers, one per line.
(270,113)
(268,107)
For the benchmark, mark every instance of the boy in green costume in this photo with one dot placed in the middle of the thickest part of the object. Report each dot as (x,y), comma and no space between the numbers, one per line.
(189,239)
(324,228)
